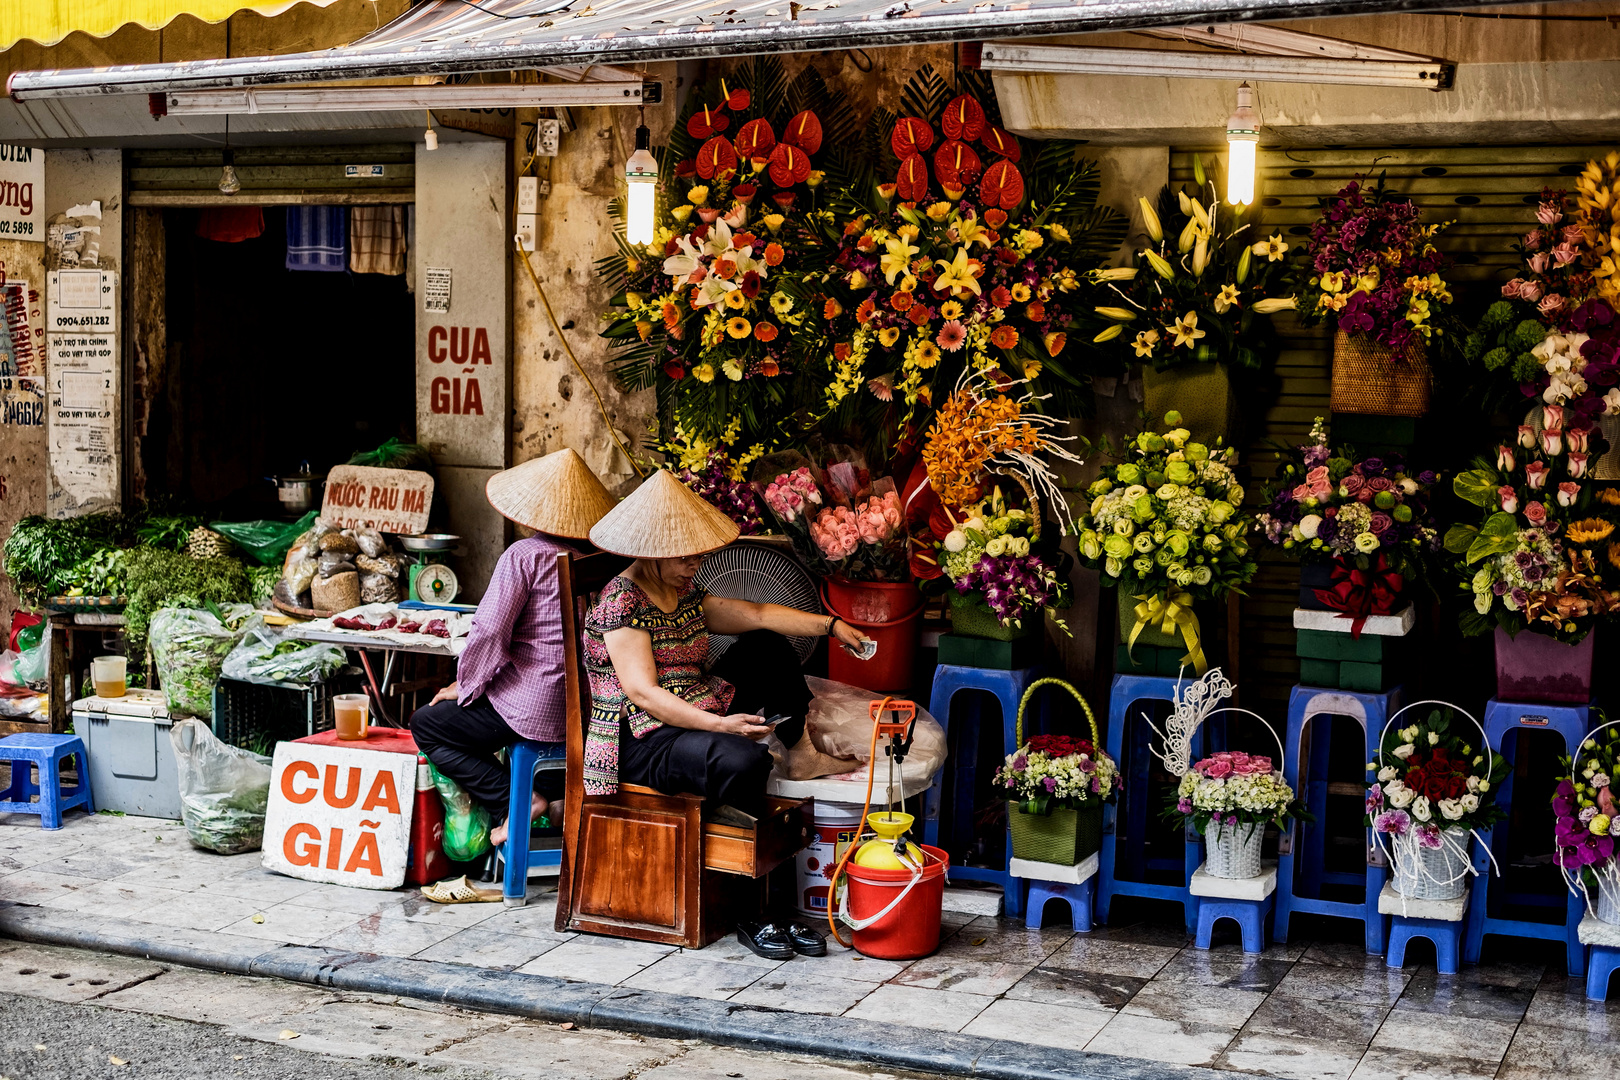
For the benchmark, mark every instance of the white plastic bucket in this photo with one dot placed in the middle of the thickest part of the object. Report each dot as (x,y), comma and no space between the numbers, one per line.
(837,825)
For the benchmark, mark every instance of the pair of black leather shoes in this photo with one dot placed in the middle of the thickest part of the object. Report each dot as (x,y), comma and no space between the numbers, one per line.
(780,940)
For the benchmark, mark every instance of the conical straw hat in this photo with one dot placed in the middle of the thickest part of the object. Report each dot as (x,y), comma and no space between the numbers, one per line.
(663,519)
(556,494)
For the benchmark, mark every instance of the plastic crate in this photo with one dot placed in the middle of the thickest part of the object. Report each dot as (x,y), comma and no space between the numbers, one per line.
(247,713)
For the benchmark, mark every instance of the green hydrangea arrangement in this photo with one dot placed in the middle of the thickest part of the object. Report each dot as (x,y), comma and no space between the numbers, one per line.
(1504,338)
(1167,518)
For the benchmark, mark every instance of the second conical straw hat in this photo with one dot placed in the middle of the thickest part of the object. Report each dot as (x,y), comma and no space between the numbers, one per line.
(556,494)
(663,519)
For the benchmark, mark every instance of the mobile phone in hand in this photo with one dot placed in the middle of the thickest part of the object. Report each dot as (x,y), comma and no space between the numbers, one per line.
(772,721)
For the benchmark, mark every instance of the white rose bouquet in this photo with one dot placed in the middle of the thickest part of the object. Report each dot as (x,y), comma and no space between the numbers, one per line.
(1427,779)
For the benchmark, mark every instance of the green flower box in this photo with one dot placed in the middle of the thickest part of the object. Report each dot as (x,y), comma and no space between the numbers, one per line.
(1152,634)
(973,618)
(1062,836)
(1328,645)
(962,651)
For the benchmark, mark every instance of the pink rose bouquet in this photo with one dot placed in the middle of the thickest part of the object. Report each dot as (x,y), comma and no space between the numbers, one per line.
(865,541)
(1230,788)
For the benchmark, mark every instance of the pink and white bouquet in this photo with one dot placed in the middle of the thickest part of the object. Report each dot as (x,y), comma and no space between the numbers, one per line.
(865,541)
(1231,788)
(793,495)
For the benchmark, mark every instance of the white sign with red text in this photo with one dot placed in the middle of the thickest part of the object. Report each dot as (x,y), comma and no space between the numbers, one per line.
(339,815)
(388,500)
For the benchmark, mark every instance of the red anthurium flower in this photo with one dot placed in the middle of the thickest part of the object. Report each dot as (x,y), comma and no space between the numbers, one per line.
(789,165)
(912,182)
(738,100)
(1003,185)
(715,157)
(911,136)
(755,138)
(674,369)
(956,164)
(686,169)
(706,122)
(1002,142)
(804,131)
(963,118)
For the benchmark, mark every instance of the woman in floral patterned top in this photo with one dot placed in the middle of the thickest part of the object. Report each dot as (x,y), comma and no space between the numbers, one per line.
(658,718)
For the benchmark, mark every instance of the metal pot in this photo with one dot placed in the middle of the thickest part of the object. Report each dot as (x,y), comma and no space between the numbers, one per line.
(299,493)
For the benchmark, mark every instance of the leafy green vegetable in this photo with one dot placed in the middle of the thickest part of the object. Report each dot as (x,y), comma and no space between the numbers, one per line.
(190,647)
(102,574)
(41,553)
(169,531)
(160,579)
(262,582)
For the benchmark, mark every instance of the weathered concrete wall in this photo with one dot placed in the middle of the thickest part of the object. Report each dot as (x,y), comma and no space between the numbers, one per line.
(75,178)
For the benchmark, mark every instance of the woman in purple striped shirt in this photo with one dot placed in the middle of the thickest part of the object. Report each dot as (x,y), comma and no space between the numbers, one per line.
(509,678)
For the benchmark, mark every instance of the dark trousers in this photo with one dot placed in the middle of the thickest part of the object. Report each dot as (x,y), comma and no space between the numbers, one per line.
(462,741)
(730,769)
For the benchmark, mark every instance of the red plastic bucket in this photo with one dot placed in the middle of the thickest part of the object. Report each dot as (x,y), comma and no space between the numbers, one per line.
(890,667)
(911,930)
(872,601)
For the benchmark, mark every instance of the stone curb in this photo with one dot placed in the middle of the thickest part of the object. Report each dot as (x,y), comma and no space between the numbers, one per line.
(667,1016)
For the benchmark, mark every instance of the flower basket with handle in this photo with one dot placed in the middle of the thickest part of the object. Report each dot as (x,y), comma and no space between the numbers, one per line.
(1433,792)
(1584,810)
(1060,785)
(1230,797)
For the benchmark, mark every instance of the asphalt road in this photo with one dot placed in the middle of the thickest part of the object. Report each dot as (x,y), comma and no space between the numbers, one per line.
(53,1040)
(74,1014)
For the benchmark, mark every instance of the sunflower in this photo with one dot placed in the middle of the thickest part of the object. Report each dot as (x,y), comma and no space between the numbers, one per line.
(1614,553)
(1609,496)
(927,355)
(739,327)
(1589,531)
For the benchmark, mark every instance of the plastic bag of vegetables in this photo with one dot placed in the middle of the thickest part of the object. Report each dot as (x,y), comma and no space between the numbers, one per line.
(264,655)
(223,789)
(190,646)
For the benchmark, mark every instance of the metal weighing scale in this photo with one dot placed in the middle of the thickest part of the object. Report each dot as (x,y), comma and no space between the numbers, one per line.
(431,580)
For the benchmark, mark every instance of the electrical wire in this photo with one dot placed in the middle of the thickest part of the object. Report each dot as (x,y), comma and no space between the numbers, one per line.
(871,774)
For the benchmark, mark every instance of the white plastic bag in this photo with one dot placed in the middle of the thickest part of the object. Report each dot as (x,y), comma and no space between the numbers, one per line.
(840,726)
(223,789)
(266,655)
(189,646)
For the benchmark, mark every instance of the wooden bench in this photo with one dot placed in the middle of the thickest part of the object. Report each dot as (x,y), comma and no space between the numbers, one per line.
(639,864)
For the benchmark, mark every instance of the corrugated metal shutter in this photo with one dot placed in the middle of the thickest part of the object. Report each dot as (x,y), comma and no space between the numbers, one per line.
(1489,192)
(275,175)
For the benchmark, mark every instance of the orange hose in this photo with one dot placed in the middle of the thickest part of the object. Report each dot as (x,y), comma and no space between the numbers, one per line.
(838,871)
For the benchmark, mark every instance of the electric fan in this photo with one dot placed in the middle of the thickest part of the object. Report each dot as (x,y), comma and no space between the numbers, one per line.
(763,575)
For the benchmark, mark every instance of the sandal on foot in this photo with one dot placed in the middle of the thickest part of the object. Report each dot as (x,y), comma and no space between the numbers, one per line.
(459,891)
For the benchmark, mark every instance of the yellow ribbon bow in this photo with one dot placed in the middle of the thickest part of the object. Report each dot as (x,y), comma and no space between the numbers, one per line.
(1172,611)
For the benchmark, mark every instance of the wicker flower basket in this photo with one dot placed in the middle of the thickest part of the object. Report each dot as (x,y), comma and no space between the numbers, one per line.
(1233,851)
(1062,836)
(1370,378)
(1433,873)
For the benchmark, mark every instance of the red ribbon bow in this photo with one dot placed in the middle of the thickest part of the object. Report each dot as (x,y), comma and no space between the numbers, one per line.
(1359,594)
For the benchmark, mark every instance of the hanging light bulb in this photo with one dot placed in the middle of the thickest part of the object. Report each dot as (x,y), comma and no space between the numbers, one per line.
(228,183)
(1242,139)
(641,174)
(430,136)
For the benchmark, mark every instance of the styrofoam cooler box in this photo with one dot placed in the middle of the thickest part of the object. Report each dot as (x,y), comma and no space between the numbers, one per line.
(132,767)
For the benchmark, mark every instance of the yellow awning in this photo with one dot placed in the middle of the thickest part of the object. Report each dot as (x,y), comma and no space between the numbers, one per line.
(49,21)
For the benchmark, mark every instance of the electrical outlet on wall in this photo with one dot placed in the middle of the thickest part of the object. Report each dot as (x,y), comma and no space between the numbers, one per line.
(546,135)
(528,195)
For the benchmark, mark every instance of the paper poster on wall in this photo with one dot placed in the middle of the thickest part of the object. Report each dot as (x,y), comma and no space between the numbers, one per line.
(83,427)
(22,193)
(436,290)
(22,356)
(81,301)
(340,815)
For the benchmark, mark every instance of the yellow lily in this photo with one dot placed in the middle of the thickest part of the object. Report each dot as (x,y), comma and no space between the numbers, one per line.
(896,259)
(957,275)
(1150,220)
(1272,305)
(970,232)
(1186,330)
(1109,334)
(1162,268)
(1118,314)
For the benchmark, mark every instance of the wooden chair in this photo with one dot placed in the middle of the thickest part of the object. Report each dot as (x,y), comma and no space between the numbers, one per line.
(640,864)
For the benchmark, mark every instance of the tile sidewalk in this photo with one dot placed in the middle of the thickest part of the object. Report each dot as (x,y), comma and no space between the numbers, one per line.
(1309,1010)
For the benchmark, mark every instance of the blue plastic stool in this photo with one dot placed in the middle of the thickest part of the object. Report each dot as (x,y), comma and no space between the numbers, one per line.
(1372,711)
(1250,915)
(1572,723)
(1604,961)
(1126,691)
(1079,898)
(1008,688)
(47,752)
(1446,935)
(526,758)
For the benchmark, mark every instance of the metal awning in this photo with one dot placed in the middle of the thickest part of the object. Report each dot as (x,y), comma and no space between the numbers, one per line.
(48,23)
(446,37)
